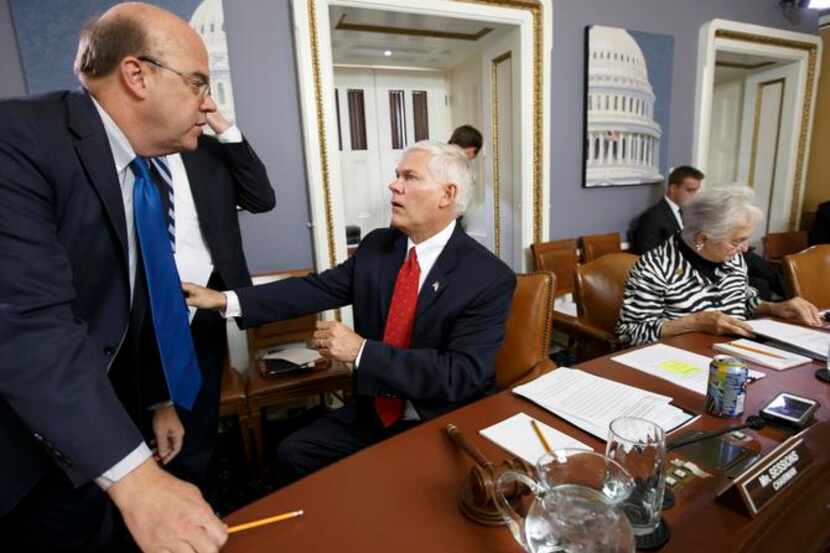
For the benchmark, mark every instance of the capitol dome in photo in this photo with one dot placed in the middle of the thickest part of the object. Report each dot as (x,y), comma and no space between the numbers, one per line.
(209,21)
(622,138)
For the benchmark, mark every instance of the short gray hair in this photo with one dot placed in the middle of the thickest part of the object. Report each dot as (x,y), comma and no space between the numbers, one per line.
(449,164)
(107,40)
(717,210)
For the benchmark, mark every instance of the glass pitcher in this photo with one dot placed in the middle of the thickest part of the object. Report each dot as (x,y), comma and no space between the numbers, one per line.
(575,505)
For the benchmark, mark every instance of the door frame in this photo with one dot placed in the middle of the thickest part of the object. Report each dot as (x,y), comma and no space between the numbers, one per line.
(316,75)
(786,46)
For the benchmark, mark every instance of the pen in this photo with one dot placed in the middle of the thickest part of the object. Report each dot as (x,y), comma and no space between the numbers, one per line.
(755,350)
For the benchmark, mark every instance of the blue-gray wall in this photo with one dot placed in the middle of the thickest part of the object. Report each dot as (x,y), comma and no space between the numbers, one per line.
(265,88)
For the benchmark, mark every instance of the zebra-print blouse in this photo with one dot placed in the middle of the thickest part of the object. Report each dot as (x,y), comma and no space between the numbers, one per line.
(663,286)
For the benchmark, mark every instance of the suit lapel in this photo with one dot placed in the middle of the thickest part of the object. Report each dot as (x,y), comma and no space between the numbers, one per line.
(95,154)
(668,212)
(437,280)
(391,263)
(197,175)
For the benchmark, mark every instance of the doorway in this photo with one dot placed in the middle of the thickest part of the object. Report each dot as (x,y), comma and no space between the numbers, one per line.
(755,101)
(418,62)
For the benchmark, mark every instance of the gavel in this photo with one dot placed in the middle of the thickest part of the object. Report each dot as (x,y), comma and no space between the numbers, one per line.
(477,500)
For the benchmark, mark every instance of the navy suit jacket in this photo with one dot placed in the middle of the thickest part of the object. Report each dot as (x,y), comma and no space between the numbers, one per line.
(64,294)
(459,322)
(656,225)
(820,232)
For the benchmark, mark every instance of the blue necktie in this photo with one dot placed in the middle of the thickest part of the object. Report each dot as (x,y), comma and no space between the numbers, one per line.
(162,170)
(167,306)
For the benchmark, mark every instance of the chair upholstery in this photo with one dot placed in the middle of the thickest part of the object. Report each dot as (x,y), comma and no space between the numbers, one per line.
(599,289)
(559,257)
(524,354)
(779,244)
(595,246)
(806,274)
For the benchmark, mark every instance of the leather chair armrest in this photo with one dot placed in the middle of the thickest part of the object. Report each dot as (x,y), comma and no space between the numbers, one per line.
(587,330)
(540,368)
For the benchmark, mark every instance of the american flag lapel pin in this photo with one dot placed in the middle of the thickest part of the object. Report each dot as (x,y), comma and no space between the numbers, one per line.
(435,286)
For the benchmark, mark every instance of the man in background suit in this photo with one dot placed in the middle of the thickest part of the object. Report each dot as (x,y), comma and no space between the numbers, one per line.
(664,219)
(430,305)
(468,138)
(207,185)
(820,231)
(83,259)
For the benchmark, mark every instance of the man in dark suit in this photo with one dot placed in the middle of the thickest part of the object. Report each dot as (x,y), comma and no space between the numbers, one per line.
(207,184)
(430,305)
(820,231)
(664,219)
(82,252)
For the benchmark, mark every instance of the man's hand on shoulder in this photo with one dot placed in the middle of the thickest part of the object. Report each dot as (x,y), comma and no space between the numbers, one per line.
(203,298)
(335,340)
(164,513)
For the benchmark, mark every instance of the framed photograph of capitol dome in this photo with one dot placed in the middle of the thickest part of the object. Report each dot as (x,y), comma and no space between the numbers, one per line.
(627,101)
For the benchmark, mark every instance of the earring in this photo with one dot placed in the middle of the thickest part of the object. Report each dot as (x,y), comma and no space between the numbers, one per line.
(699,246)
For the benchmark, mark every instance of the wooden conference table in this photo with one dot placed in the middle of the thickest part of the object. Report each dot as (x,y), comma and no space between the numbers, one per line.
(401,495)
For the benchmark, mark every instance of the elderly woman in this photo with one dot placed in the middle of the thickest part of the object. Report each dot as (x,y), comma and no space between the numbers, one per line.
(696,281)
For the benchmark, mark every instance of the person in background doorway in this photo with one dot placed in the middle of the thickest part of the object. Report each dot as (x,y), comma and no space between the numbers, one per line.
(468,138)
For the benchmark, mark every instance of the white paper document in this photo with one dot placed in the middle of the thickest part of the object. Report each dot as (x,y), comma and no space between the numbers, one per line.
(591,402)
(762,354)
(298,355)
(807,341)
(676,365)
(517,436)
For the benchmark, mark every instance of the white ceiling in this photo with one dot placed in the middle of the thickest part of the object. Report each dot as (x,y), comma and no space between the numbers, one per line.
(367,48)
(730,66)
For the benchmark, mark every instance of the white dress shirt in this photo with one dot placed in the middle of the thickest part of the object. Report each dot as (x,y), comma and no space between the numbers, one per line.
(676,210)
(427,252)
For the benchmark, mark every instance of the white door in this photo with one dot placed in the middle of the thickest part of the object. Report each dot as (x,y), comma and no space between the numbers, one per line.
(401,107)
(725,132)
(359,152)
(766,149)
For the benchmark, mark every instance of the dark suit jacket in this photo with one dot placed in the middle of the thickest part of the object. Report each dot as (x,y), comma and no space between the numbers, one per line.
(820,233)
(654,227)
(458,328)
(64,294)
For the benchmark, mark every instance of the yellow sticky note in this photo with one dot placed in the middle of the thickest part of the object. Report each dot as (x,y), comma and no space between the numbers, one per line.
(681,368)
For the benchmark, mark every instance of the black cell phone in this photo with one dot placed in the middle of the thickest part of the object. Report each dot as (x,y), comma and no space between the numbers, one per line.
(790,410)
(277,367)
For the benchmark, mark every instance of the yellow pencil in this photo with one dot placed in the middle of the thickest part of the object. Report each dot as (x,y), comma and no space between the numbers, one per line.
(541,436)
(756,350)
(264,521)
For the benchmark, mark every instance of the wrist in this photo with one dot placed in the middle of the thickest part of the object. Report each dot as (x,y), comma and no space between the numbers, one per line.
(134,482)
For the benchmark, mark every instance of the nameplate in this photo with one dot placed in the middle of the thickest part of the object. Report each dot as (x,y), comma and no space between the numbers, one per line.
(758,486)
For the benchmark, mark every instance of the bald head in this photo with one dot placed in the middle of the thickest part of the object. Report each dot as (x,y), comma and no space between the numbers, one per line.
(132,29)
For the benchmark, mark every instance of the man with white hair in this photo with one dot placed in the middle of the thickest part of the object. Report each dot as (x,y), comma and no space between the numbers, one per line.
(430,306)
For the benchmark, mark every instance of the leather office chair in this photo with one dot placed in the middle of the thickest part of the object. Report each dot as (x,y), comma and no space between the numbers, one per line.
(779,244)
(599,289)
(595,246)
(263,392)
(559,257)
(806,275)
(524,354)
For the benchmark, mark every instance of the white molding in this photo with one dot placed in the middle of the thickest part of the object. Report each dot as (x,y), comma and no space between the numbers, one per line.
(708,47)
(308,103)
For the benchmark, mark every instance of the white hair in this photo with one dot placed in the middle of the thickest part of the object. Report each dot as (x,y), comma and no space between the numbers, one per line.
(718,210)
(449,164)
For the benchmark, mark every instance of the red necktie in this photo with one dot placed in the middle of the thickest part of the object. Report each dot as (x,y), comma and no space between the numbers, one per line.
(398,331)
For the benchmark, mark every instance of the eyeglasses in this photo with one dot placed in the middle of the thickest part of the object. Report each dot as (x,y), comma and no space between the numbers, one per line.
(199,85)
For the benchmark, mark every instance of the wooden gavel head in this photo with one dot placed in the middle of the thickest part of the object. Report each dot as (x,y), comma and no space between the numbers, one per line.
(477,500)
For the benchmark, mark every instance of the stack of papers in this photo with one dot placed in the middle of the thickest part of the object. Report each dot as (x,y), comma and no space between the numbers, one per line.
(517,436)
(806,341)
(676,365)
(761,354)
(590,402)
